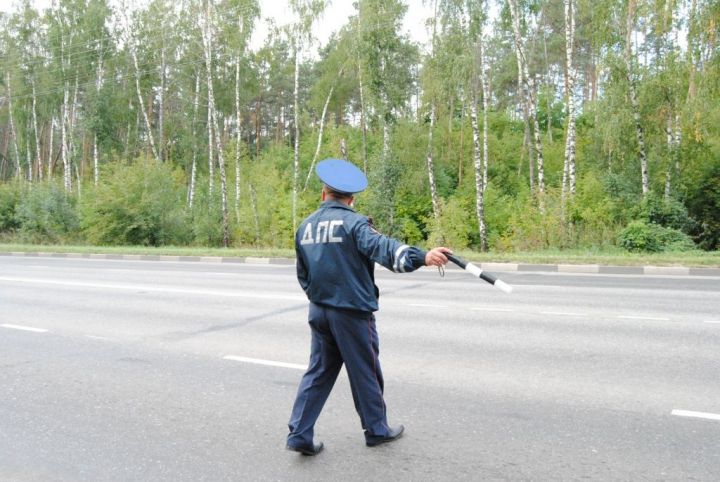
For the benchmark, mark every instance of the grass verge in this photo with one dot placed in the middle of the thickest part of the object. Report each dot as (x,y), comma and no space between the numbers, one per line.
(608,257)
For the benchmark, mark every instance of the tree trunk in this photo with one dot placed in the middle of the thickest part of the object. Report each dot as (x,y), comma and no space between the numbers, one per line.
(98,84)
(486,158)
(193,171)
(529,93)
(363,120)
(148,127)
(238,127)
(430,167)
(67,178)
(13,131)
(161,106)
(569,165)
(630,24)
(50,149)
(38,158)
(207,43)
(320,134)
(296,115)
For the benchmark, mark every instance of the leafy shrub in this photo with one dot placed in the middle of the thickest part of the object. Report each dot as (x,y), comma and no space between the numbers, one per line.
(46,214)
(9,200)
(671,213)
(137,204)
(639,236)
(704,203)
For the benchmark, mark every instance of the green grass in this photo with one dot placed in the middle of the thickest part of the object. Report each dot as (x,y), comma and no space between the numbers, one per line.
(613,257)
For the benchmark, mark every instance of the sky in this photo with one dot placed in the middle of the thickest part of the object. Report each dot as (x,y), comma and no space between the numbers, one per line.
(332,20)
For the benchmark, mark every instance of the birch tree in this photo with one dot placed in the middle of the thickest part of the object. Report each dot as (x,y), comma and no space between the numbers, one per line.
(529,92)
(569,164)
(634,104)
(207,34)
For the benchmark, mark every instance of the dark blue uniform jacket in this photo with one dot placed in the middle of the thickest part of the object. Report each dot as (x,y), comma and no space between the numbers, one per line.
(337,249)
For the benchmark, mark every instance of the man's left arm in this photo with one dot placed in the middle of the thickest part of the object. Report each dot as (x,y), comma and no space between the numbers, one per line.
(392,254)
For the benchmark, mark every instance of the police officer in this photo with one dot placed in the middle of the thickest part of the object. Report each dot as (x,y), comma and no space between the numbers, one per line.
(337,249)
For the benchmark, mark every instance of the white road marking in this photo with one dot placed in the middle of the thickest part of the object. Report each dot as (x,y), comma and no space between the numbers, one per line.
(149,288)
(643,318)
(25,328)
(562,313)
(421,305)
(94,337)
(689,413)
(271,363)
(504,310)
(712,321)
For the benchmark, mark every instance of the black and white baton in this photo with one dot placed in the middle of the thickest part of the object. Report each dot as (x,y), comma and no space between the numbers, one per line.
(477,271)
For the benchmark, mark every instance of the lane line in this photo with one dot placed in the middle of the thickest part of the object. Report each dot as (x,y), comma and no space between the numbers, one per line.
(148,288)
(24,328)
(690,413)
(503,310)
(94,337)
(422,305)
(562,313)
(643,318)
(271,363)
(712,321)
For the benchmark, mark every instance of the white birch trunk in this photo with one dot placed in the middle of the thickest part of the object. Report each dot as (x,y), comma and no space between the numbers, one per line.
(71,128)
(296,115)
(148,127)
(38,158)
(98,85)
(13,131)
(50,149)
(630,24)
(569,165)
(320,134)
(486,159)
(67,178)
(161,106)
(238,127)
(207,43)
(526,91)
(478,162)
(670,149)
(430,167)
(193,171)
(211,157)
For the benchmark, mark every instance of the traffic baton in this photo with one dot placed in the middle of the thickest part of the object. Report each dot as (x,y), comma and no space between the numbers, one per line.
(477,271)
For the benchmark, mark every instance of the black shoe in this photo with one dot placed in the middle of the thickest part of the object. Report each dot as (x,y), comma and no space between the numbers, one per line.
(313,449)
(395,433)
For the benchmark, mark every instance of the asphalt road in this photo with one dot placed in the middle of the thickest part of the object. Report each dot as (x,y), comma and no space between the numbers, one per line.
(139,371)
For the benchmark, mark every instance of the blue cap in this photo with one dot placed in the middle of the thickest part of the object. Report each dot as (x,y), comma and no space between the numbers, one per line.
(341,176)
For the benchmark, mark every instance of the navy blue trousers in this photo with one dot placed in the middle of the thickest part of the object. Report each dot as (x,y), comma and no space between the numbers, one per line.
(340,336)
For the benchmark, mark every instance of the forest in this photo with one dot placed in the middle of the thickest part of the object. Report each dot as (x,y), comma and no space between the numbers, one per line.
(520,125)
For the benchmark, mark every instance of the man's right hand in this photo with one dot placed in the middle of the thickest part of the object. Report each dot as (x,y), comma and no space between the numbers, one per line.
(436,256)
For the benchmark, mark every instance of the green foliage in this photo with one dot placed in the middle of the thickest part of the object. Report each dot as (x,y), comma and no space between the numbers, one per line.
(453,228)
(9,199)
(137,204)
(46,214)
(704,204)
(640,236)
(669,213)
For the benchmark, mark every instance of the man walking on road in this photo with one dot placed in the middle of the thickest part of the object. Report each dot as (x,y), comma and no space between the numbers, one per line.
(337,249)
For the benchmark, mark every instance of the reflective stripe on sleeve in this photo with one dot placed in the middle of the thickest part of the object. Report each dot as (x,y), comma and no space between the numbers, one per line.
(398,252)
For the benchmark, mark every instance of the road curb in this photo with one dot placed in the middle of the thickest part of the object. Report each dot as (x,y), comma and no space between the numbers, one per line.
(489,266)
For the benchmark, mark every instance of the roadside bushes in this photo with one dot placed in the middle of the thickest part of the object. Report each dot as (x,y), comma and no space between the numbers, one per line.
(9,200)
(46,214)
(640,236)
(137,204)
